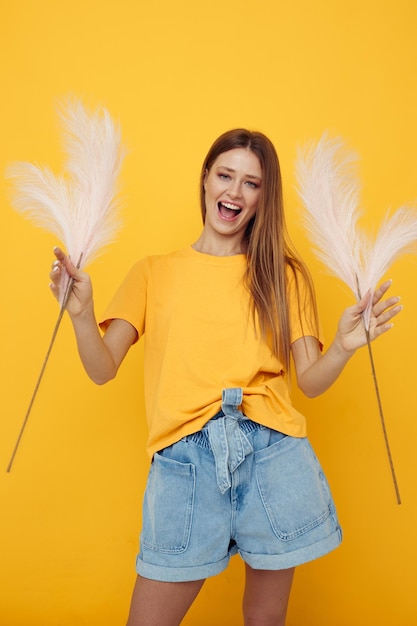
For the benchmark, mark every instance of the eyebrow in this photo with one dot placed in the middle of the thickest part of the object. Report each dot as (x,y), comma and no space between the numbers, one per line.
(230,169)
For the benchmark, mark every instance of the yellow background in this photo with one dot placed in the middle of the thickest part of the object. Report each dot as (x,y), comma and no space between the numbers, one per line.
(177,74)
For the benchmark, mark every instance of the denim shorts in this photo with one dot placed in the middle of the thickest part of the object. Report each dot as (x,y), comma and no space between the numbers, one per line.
(234,487)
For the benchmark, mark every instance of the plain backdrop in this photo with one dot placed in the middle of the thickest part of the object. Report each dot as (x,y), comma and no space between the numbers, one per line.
(176,74)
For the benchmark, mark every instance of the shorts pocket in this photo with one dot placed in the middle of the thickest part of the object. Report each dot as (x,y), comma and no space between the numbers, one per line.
(168,505)
(293,488)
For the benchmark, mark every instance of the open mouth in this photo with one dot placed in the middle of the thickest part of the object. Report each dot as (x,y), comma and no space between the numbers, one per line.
(228,211)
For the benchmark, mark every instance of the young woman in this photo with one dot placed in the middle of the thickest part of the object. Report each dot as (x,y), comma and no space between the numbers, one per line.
(231,467)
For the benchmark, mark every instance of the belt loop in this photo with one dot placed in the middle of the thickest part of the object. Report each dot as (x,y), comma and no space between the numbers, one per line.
(232,396)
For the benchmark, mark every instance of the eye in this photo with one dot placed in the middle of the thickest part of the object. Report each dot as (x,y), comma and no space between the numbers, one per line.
(252,185)
(224,176)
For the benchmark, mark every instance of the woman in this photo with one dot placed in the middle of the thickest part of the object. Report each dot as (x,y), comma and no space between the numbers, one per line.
(232,469)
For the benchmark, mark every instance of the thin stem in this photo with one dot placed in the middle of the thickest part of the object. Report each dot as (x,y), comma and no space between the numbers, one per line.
(381,412)
(381,415)
(45,361)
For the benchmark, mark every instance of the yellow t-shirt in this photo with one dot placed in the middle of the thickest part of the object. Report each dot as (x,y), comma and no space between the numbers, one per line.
(194,312)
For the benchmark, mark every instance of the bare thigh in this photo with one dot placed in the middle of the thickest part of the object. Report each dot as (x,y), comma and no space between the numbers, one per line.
(266,596)
(157,603)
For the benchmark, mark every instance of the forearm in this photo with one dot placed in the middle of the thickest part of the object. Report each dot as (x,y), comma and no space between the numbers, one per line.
(96,358)
(321,374)
(316,372)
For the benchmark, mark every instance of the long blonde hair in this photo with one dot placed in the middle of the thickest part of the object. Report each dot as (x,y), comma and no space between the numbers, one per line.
(266,243)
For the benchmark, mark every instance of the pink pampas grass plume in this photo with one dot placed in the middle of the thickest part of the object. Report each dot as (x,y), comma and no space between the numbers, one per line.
(328,186)
(80,205)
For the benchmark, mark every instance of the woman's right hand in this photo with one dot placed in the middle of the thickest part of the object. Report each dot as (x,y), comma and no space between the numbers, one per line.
(81,296)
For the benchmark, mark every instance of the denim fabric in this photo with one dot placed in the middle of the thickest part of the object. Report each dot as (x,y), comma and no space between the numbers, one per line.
(234,486)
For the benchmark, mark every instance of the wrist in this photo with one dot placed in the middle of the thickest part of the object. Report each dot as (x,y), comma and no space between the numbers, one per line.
(82,313)
(342,347)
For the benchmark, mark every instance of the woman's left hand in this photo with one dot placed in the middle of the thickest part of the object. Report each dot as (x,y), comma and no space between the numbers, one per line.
(351,330)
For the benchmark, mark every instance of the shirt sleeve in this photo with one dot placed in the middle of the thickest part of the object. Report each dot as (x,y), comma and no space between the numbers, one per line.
(302,310)
(129,301)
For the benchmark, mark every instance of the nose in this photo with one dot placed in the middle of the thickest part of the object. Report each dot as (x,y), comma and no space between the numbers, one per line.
(235,189)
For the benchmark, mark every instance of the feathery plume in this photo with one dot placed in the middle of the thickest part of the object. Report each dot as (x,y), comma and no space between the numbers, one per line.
(80,205)
(328,186)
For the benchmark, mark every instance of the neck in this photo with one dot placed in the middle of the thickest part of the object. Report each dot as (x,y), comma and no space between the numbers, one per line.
(218,247)
(216,250)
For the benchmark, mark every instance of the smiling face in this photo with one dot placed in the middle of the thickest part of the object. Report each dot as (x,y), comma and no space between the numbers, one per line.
(232,188)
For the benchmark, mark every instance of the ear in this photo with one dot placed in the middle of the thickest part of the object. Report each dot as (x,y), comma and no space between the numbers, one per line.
(205,178)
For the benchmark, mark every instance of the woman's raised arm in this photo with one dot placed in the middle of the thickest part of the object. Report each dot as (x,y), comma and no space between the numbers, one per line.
(101,356)
(317,372)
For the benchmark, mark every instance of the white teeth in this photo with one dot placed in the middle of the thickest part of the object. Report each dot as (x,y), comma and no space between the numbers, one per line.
(232,207)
